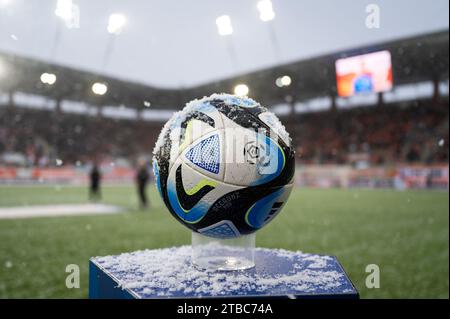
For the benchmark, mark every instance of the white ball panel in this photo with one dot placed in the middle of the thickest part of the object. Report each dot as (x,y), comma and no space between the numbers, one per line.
(193,179)
(241,164)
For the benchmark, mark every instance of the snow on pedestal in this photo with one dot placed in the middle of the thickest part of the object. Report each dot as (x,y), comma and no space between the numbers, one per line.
(169,272)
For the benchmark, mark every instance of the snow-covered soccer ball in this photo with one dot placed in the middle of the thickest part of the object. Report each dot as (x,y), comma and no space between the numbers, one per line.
(224,166)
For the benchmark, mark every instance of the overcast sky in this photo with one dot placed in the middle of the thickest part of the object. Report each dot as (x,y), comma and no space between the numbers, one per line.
(174,43)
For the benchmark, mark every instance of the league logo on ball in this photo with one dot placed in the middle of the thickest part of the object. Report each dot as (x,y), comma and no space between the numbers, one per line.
(224,166)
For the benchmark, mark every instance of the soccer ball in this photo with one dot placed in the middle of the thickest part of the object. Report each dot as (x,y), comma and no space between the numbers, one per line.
(224,166)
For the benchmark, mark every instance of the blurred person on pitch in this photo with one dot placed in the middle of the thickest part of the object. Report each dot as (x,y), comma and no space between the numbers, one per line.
(95,178)
(142,177)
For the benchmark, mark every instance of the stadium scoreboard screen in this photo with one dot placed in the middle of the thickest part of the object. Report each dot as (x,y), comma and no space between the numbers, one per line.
(368,73)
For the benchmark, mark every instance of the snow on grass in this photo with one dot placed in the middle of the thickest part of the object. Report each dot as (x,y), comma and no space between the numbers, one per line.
(57,210)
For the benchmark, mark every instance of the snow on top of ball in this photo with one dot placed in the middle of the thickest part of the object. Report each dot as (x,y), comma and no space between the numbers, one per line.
(275,124)
(232,100)
(229,99)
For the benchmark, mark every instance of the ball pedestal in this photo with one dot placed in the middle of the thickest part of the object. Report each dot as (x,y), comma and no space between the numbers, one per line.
(223,254)
(170,273)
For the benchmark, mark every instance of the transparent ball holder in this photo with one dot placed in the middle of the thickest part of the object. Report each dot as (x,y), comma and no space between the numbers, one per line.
(223,254)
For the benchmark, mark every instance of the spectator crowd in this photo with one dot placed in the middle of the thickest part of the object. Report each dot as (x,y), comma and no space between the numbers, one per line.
(412,133)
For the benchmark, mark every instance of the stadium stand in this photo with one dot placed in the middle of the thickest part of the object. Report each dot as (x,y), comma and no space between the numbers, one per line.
(405,134)
(66,125)
(384,135)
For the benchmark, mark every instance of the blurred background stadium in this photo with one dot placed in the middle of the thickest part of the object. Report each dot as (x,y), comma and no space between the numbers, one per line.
(367,107)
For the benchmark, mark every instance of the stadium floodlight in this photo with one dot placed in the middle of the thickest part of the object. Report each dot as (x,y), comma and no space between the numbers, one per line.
(5,3)
(285,80)
(68,12)
(99,88)
(64,9)
(265,9)
(116,23)
(224,25)
(241,90)
(278,82)
(48,78)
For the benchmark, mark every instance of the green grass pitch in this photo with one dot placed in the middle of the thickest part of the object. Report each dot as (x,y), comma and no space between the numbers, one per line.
(405,233)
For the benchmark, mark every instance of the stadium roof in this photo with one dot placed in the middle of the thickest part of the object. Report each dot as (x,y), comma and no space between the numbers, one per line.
(415,59)
(173,44)
(420,58)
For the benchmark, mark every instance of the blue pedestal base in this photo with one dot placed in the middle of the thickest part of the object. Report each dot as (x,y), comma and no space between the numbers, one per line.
(169,273)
